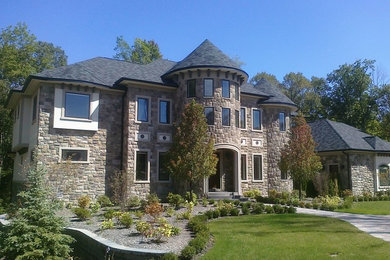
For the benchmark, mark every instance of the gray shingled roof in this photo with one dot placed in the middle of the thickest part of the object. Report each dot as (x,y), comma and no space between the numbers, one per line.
(335,136)
(206,55)
(107,72)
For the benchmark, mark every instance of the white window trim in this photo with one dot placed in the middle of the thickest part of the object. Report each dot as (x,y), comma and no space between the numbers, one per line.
(261,120)
(246,121)
(381,187)
(246,172)
(158,167)
(170,111)
(135,165)
(149,109)
(262,167)
(62,122)
(204,88)
(74,148)
(230,94)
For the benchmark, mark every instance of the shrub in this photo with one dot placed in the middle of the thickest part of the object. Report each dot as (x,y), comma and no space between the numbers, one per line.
(144,228)
(184,215)
(126,220)
(234,212)
(164,230)
(269,209)
(245,210)
(104,201)
(188,253)
(175,230)
(209,214)
(190,206)
(175,200)
(95,207)
(211,201)
(107,224)
(308,205)
(236,202)
(224,211)
(82,213)
(248,204)
(315,205)
(199,243)
(170,212)
(283,202)
(109,214)
(194,198)
(138,214)
(152,199)
(295,203)
(347,193)
(301,204)
(198,224)
(169,256)
(216,213)
(84,201)
(278,209)
(205,202)
(154,209)
(347,204)
(133,202)
(258,208)
(291,210)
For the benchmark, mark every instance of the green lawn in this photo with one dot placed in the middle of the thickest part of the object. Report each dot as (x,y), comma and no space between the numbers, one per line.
(369,207)
(292,236)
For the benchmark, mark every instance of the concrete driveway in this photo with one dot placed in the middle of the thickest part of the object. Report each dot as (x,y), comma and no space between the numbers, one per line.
(375,225)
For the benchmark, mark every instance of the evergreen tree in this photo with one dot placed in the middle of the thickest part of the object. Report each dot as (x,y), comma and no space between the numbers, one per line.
(35,232)
(191,157)
(298,157)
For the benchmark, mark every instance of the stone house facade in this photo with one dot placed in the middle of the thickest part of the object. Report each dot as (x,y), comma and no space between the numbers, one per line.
(101,116)
(358,161)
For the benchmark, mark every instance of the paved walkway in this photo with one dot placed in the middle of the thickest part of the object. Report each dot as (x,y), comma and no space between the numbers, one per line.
(375,225)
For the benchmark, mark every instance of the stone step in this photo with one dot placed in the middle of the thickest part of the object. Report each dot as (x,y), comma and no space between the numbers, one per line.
(223,195)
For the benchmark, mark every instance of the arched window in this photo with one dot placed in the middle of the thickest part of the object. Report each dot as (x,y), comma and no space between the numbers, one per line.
(384,175)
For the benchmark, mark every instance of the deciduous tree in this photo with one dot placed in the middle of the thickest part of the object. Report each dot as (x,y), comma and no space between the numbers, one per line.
(298,157)
(191,157)
(142,51)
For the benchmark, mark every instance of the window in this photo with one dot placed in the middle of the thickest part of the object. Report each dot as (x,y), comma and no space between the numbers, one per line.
(243,118)
(163,174)
(191,88)
(283,175)
(77,105)
(165,112)
(237,118)
(209,113)
(237,91)
(74,155)
(143,109)
(225,88)
(282,121)
(384,175)
(226,116)
(208,88)
(256,119)
(243,167)
(141,166)
(34,108)
(257,167)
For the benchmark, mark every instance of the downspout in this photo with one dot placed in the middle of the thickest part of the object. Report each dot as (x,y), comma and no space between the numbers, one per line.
(349,171)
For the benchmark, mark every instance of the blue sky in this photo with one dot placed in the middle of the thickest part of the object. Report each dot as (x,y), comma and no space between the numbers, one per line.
(278,37)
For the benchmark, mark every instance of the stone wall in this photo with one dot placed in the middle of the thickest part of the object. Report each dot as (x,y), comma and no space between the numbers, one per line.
(362,172)
(104,146)
(340,159)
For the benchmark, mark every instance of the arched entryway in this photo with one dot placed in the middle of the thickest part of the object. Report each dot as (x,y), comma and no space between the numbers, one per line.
(226,177)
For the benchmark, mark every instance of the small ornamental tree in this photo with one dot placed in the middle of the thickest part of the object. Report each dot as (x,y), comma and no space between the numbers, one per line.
(191,157)
(35,232)
(298,157)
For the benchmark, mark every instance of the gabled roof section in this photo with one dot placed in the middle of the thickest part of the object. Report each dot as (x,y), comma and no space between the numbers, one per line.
(335,136)
(206,55)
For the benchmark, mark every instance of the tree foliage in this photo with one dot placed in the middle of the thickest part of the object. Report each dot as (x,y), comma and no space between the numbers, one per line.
(35,232)
(298,157)
(264,75)
(191,157)
(142,51)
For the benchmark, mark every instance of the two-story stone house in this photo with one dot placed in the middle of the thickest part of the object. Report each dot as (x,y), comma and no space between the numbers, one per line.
(109,115)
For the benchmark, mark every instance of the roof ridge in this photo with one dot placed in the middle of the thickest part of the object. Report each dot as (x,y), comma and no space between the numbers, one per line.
(328,121)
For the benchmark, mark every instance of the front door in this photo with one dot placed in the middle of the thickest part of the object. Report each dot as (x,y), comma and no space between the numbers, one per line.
(334,174)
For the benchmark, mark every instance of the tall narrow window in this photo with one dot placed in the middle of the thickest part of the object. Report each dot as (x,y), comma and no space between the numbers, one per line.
(225,88)
(142,109)
(209,113)
(384,175)
(257,167)
(243,167)
(191,88)
(163,174)
(256,119)
(34,108)
(237,118)
(282,121)
(237,91)
(141,171)
(284,175)
(242,118)
(226,116)
(208,88)
(77,105)
(165,112)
